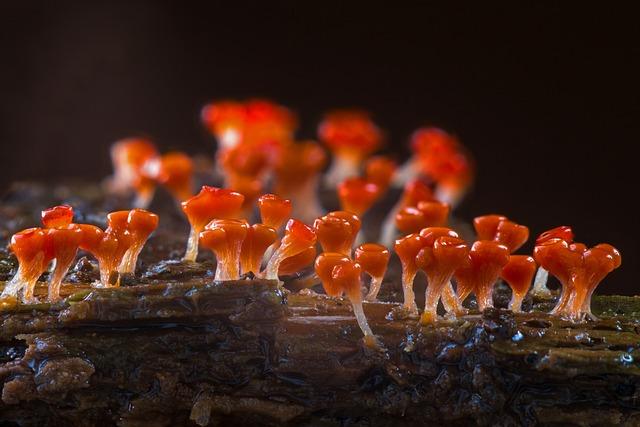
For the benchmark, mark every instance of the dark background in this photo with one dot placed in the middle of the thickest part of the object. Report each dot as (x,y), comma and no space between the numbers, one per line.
(545,97)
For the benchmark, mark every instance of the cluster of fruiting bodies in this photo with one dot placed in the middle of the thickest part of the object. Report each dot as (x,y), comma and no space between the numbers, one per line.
(242,248)
(442,255)
(116,249)
(257,152)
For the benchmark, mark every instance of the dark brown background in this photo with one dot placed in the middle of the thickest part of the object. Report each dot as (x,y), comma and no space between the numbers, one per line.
(546,97)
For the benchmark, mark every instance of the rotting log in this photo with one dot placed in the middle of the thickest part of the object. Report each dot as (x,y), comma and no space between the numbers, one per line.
(248,353)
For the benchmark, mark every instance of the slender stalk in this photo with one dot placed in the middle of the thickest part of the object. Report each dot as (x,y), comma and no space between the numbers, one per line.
(540,284)
(484,297)
(374,288)
(450,300)
(369,338)
(192,246)
(515,304)
(388,230)
(130,259)
(432,294)
(342,167)
(408,278)
(143,199)
(63,264)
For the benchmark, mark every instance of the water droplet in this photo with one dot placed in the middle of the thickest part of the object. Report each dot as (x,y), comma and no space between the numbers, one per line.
(517,337)
(626,358)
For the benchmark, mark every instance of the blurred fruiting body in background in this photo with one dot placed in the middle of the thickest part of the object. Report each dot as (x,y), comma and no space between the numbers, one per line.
(351,136)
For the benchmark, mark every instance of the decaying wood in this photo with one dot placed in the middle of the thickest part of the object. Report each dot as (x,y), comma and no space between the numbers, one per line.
(248,353)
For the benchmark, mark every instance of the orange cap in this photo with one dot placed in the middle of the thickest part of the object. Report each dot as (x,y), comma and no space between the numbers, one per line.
(57,216)
(274,210)
(350,131)
(210,203)
(357,195)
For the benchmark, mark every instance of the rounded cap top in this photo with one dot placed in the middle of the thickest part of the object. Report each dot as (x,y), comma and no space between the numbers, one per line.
(175,171)
(300,161)
(352,130)
(346,276)
(222,115)
(140,221)
(373,258)
(274,210)
(512,235)
(444,256)
(435,212)
(26,244)
(210,203)
(487,253)
(357,195)
(324,266)
(429,138)
(430,234)
(563,232)
(487,225)
(133,152)
(57,216)
(416,191)
(380,170)
(350,217)
(408,247)
(335,234)
(519,272)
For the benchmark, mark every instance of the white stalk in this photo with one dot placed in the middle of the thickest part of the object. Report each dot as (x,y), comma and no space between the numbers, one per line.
(192,246)
(342,167)
(405,173)
(374,288)
(540,284)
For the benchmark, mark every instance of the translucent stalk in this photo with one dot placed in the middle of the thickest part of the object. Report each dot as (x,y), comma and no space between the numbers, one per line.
(109,279)
(342,167)
(586,306)
(192,245)
(63,264)
(484,297)
(565,296)
(25,279)
(388,230)
(109,276)
(130,259)
(374,288)
(228,263)
(358,311)
(449,194)
(432,295)
(273,265)
(269,253)
(143,199)
(405,173)
(540,284)
(13,286)
(515,304)
(576,302)
(450,300)
(463,292)
(408,278)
